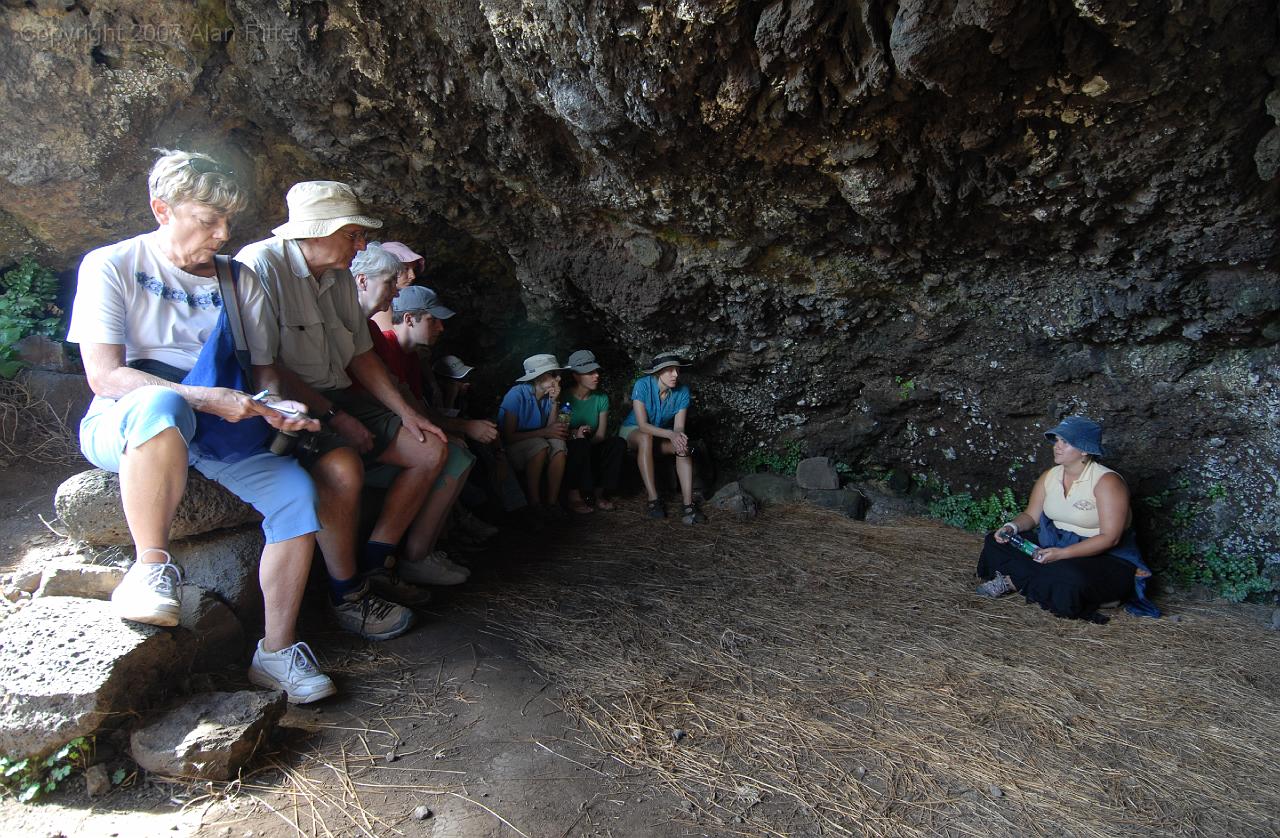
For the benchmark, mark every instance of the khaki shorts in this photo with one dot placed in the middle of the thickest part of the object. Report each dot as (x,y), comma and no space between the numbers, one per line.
(519,454)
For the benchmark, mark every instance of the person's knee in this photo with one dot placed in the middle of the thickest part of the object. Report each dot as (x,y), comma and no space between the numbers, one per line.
(428,454)
(154,400)
(339,470)
(154,408)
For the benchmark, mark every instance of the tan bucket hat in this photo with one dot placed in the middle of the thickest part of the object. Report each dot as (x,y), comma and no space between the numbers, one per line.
(536,365)
(317,208)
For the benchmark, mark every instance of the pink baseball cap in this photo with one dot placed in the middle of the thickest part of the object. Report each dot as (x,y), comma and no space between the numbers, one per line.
(402,252)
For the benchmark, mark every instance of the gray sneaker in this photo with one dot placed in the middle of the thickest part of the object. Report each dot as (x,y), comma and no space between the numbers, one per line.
(148,593)
(372,617)
(997,587)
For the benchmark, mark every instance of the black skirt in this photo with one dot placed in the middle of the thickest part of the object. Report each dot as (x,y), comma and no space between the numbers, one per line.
(1069,587)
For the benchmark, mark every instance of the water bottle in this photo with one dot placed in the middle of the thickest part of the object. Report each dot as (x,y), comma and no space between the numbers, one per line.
(1023,545)
(566,412)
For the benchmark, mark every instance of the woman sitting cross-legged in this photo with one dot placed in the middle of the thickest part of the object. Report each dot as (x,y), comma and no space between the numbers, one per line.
(532,434)
(659,413)
(1087,553)
(595,460)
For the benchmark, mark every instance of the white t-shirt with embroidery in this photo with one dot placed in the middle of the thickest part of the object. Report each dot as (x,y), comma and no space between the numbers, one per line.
(130,293)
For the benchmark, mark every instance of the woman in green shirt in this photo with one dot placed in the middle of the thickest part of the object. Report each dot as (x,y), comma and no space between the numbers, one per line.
(595,460)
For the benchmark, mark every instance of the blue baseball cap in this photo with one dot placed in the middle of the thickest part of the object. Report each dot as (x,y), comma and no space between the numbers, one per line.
(1079,432)
(420,298)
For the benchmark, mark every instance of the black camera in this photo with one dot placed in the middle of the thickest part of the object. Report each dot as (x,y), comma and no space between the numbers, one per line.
(296,443)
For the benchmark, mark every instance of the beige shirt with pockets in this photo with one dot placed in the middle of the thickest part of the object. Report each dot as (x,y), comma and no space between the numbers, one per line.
(317,326)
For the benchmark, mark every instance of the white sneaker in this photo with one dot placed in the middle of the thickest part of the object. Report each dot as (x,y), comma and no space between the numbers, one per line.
(148,593)
(435,569)
(293,670)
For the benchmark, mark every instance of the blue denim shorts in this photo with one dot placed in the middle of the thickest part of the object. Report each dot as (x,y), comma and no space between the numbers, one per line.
(277,487)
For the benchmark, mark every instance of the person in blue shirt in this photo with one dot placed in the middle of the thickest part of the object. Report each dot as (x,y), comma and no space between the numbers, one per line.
(534,438)
(658,417)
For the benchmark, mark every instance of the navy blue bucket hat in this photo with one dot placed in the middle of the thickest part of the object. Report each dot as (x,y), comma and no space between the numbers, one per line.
(1079,432)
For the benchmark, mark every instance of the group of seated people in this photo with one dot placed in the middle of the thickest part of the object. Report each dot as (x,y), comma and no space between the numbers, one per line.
(291,375)
(325,328)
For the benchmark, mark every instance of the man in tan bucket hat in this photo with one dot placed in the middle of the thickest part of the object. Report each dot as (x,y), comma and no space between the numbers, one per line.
(320,342)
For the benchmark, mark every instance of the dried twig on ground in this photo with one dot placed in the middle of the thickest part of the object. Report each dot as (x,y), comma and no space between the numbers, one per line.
(31,428)
(812,675)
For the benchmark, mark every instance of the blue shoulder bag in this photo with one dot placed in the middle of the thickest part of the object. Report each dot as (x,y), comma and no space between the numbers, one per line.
(224,362)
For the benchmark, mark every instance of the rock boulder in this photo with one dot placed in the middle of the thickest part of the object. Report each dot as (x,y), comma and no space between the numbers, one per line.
(69,666)
(217,635)
(225,563)
(817,473)
(210,736)
(67,577)
(89,506)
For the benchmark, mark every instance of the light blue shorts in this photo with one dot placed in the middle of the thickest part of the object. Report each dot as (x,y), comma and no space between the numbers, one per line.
(277,487)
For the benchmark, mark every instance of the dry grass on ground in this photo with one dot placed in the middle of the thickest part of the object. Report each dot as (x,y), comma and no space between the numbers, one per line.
(31,428)
(837,678)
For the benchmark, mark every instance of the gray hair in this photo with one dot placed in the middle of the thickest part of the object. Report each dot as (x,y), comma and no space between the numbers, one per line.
(375,263)
(175,180)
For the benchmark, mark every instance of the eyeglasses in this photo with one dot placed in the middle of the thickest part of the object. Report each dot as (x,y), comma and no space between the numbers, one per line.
(360,235)
(203,166)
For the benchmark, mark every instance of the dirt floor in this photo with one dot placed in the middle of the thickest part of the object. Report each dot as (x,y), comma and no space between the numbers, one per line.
(799,675)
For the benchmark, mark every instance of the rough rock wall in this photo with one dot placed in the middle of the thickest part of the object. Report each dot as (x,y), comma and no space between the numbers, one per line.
(908,234)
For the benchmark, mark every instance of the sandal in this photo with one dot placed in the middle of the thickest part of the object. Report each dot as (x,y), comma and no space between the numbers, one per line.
(657,509)
(580,508)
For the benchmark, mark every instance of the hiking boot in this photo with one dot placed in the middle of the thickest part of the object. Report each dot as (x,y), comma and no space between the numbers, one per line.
(692,515)
(372,617)
(999,586)
(388,585)
(434,569)
(657,509)
(149,592)
(293,670)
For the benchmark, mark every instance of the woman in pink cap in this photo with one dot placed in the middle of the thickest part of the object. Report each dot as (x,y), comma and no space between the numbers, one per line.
(411,265)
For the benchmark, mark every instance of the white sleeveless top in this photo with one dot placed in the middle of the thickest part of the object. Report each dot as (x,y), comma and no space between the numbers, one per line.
(1075,511)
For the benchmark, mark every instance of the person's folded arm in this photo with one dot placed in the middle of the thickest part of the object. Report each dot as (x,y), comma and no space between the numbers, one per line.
(111,378)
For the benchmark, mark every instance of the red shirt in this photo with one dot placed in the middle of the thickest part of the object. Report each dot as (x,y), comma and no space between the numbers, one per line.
(403,366)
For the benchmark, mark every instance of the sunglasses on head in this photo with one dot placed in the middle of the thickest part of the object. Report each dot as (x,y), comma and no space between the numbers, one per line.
(201,166)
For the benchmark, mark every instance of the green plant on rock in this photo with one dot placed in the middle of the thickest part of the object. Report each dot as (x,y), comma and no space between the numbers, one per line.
(779,460)
(27,779)
(906,386)
(27,294)
(976,515)
(1231,576)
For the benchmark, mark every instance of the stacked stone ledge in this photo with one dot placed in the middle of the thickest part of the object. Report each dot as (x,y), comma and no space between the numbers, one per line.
(72,668)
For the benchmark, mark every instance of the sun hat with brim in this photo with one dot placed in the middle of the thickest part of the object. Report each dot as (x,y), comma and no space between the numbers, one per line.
(318,208)
(421,298)
(1079,432)
(402,252)
(536,365)
(666,359)
(583,361)
(451,366)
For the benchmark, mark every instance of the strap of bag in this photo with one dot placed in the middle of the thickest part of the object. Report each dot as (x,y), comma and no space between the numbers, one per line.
(227,271)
